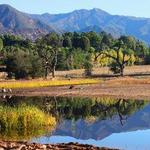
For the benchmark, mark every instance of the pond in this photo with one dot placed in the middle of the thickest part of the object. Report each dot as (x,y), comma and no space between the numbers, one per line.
(108,122)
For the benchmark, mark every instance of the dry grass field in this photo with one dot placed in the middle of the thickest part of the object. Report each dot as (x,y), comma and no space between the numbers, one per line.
(104,71)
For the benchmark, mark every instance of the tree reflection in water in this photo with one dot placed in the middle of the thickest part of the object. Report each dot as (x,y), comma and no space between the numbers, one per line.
(89,110)
(100,108)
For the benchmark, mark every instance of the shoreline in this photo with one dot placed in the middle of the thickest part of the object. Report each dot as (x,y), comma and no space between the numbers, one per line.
(125,88)
(69,146)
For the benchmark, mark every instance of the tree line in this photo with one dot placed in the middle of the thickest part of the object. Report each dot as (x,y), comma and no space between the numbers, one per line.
(24,58)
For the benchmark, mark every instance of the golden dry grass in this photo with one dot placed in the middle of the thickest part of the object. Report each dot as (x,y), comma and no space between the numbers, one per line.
(45,83)
(25,117)
(128,80)
(129,70)
(24,122)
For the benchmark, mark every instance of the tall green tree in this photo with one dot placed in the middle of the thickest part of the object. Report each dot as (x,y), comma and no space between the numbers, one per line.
(55,42)
(67,42)
(48,48)
(85,43)
(44,52)
(88,64)
(18,64)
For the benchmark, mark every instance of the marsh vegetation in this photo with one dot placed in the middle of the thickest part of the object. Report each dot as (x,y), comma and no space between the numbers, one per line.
(24,122)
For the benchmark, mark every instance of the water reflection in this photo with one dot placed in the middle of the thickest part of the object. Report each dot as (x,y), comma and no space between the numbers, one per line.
(98,121)
(23,121)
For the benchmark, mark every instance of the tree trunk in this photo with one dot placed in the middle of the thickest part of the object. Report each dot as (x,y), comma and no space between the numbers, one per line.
(53,72)
(46,72)
(122,70)
(54,64)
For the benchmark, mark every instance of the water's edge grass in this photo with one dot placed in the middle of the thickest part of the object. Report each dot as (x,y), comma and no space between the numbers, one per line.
(45,83)
(24,122)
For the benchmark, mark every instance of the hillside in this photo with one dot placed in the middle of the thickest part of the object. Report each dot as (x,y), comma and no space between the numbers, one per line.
(96,19)
(14,21)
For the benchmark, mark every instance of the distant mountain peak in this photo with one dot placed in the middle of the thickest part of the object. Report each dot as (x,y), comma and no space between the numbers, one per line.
(94,10)
(8,7)
(80,10)
(98,10)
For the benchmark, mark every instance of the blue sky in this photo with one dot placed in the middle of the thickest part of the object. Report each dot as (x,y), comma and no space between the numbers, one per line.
(140,8)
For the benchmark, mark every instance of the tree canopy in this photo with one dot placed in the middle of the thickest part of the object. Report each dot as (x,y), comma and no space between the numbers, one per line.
(25,58)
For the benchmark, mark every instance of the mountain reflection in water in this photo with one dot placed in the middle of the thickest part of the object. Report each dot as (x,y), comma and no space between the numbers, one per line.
(98,121)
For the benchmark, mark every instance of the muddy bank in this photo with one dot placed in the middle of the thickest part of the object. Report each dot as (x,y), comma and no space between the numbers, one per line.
(127,88)
(133,91)
(34,146)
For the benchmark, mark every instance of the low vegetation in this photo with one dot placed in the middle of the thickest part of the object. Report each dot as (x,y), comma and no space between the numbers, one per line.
(24,121)
(24,117)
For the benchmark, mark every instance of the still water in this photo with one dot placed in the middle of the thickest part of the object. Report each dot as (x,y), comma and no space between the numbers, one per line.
(108,122)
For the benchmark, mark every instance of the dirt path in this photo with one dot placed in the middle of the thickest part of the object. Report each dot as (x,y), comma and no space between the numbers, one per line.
(119,88)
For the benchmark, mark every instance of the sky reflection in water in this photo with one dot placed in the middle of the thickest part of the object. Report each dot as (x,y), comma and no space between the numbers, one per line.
(136,140)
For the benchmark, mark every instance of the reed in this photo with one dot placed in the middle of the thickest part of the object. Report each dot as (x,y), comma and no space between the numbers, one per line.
(24,118)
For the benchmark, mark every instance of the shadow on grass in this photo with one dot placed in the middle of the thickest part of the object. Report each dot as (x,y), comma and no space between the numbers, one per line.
(117,75)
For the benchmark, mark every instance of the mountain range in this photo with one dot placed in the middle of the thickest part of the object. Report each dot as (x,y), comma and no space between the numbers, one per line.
(33,25)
